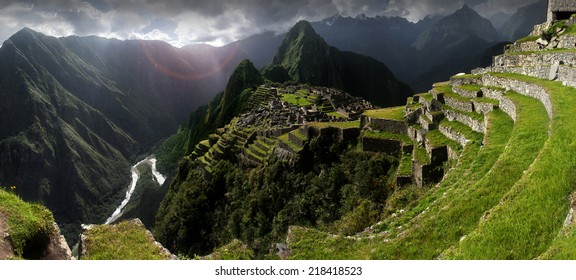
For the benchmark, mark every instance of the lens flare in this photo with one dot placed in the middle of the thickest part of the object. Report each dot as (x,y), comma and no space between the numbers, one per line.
(172,71)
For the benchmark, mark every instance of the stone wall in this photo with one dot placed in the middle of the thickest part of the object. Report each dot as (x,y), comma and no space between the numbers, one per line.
(523,88)
(461,105)
(286,147)
(567,42)
(454,135)
(474,124)
(413,133)
(467,93)
(385,125)
(539,29)
(438,154)
(276,132)
(433,105)
(460,81)
(483,108)
(388,146)
(535,59)
(530,46)
(285,155)
(540,71)
(555,6)
(508,107)
(492,93)
(426,174)
(567,75)
(436,117)
(426,123)
(350,134)
(296,140)
(412,117)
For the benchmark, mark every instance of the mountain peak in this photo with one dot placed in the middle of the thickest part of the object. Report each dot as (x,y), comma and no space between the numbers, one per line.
(464,22)
(467,11)
(465,7)
(301,34)
(25,32)
(302,28)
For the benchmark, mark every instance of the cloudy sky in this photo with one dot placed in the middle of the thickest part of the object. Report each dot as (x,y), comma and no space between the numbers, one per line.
(217,22)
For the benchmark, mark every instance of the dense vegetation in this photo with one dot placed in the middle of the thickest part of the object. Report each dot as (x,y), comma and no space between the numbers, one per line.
(334,187)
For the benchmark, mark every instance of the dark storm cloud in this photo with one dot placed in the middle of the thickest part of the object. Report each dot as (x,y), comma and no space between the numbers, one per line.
(417,9)
(213,21)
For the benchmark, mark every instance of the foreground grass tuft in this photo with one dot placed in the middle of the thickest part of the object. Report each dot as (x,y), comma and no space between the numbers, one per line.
(123,241)
(25,220)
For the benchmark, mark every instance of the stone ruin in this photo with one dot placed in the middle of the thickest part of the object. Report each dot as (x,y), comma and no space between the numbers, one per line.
(561,9)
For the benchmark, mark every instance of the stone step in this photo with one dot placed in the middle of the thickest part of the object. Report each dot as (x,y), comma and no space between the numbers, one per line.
(268,141)
(459,132)
(435,117)
(483,105)
(473,120)
(532,59)
(493,92)
(217,152)
(460,80)
(426,123)
(521,87)
(203,147)
(428,102)
(262,145)
(424,171)
(564,73)
(297,138)
(441,148)
(286,144)
(468,90)
(384,142)
(257,151)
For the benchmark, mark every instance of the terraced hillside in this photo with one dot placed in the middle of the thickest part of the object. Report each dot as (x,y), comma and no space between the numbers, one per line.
(507,135)
(279,122)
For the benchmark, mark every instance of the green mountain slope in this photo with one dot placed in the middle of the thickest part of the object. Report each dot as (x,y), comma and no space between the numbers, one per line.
(76,112)
(308,59)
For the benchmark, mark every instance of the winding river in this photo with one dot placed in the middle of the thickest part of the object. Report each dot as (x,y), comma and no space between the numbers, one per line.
(156,176)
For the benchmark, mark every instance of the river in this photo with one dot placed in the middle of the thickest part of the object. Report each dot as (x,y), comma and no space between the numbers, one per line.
(135,174)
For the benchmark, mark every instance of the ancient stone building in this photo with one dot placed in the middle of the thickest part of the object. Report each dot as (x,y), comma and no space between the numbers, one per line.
(561,9)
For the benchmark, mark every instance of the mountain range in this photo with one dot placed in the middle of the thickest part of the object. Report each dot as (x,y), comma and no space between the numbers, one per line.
(430,50)
(76,112)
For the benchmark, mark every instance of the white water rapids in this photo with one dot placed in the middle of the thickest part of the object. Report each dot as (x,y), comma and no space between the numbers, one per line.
(159,178)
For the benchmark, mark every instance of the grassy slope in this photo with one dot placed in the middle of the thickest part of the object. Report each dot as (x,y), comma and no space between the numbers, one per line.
(460,207)
(123,241)
(25,220)
(520,213)
(530,215)
(305,241)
